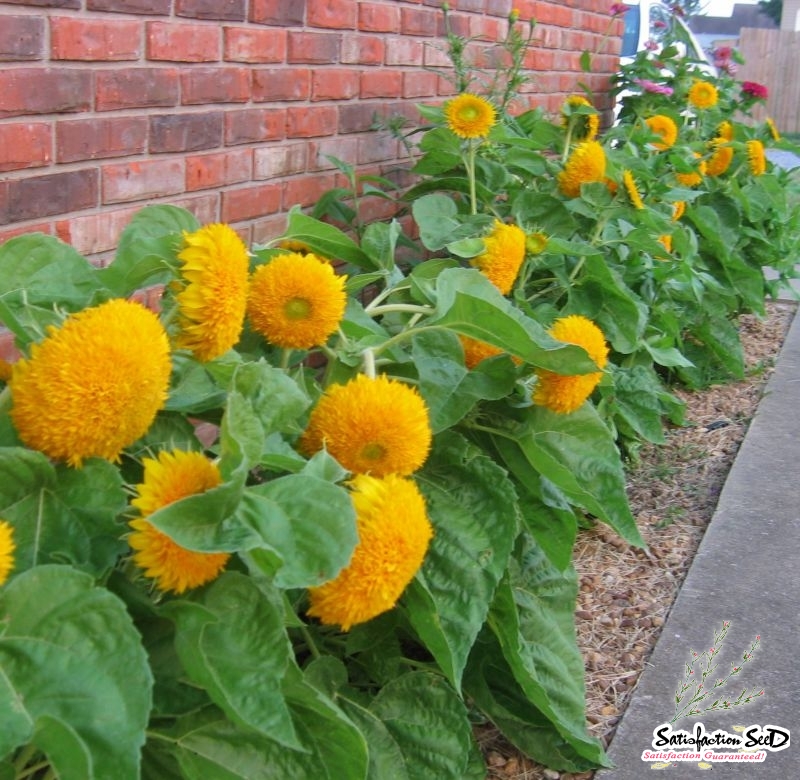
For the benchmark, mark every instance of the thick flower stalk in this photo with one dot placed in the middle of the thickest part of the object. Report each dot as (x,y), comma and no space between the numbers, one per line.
(393,537)
(7,548)
(213,295)
(586,164)
(503,255)
(564,394)
(169,478)
(94,385)
(296,301)
(374,426)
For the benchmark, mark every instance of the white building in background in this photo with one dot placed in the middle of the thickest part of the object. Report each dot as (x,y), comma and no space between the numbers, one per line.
(790,20)
(714,31)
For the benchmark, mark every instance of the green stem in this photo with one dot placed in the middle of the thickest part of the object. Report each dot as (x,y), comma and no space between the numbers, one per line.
(32,770)
(469,164)
(369,363)
(403,336)
(25,755)
(285,358)
(5,399)
(400,307)
(312,648)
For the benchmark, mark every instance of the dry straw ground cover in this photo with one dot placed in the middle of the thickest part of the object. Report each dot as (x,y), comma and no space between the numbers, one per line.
(626,594)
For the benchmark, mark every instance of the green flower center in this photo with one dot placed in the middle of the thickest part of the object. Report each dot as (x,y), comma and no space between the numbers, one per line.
(373,451)
(297,309)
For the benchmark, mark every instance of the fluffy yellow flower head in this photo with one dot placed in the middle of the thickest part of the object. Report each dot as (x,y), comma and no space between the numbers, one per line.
(94,385)
(212,302)
(564,394)
(586,125)
(7,548)
(756,157)
(371,426)
(633,192)
(296,300)
(587,163)
(694,178)
(773,129)
(663,126)
(678,210)
(393,537)
(703,94)
(725,130)
(503,256)
(173,476)
(470,116)
(720,160)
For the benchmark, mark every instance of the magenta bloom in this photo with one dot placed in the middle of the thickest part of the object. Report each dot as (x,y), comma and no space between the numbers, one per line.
(723,53)
(650,45)
(755,90)
(659,24)
(651,86)
(618,9)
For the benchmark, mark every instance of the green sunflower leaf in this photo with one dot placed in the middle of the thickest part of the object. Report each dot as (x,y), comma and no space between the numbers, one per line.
(74,678)
(472,506)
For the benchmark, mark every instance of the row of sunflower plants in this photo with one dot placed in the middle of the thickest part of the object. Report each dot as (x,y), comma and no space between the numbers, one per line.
(313,513)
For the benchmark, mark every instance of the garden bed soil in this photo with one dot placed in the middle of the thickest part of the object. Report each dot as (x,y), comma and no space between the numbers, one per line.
(626,593)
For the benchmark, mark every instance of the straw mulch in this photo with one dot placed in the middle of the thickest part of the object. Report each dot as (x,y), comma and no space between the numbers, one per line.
(626,594)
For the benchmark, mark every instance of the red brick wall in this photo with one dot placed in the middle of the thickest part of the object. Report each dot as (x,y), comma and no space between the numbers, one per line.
(228,107)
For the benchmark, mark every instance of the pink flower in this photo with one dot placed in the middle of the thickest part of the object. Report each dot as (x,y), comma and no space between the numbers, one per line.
(618,9)
(659,24)
(651,86)
(650,45)
(755,90)
(723,53)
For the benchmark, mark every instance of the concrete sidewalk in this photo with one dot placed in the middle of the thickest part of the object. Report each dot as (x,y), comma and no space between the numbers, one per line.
(746,571)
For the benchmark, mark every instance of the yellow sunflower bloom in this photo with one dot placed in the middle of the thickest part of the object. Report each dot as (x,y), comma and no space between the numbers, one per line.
(663,126)
(695,177)
(678,210)
(725,131)
(756,157)
(371,426)
(7,548)
(773,129)
(720,160)
(703,94)
(470,116)
(564,394)
(213,296)
(631,189)
(586,164)
(94,385)
(586,126)
(393,537)
(173,476)
(503,256)
(296,300)
(476,351)
(666,242)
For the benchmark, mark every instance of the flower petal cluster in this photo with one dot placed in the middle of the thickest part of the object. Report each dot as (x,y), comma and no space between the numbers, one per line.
(296,300)
(374,426)
(393,537)
(503,256)
(663,126)
(773,129)
(470,116)
(213,298)
(720,160)
(94,385)
(564,394)
(586,126)
(678,209)
(169,478)
(7,548)
(632,190)
(756,157)
(703,94)
(653,87)
(754,90)
(694,178)
(586,164)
